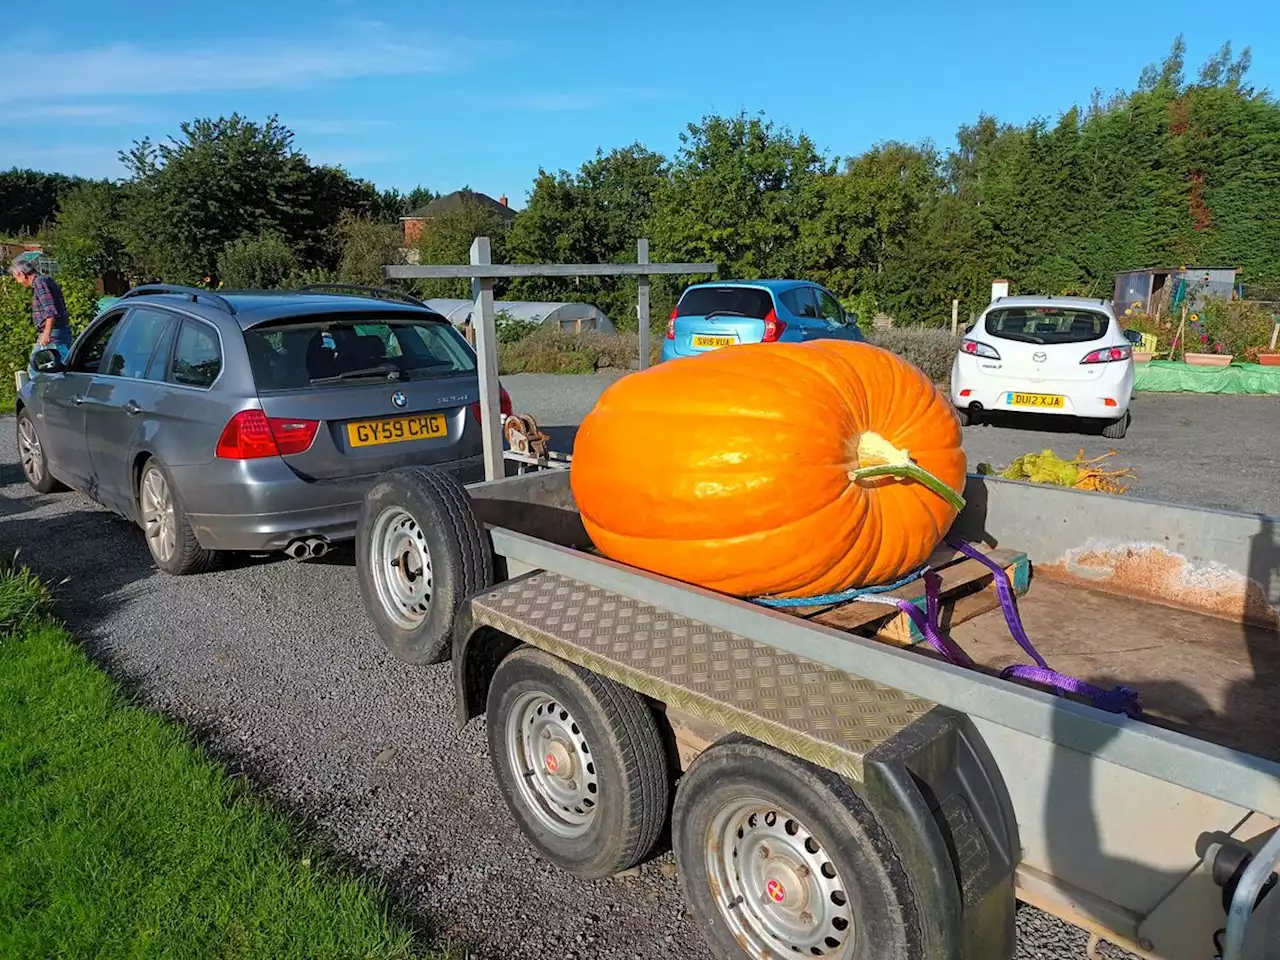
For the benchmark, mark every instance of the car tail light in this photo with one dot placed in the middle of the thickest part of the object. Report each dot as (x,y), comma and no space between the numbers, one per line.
(1108,354)
(251,434)
(773,327)
(671,324)
(504,404)
(965,393)
(976,349)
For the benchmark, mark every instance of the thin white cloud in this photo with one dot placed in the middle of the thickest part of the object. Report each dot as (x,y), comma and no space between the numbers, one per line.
(362,49)
(76,114)
(335,128)
(580,100)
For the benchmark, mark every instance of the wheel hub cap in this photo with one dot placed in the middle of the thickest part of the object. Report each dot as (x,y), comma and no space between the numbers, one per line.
(555,771)
(401,565)
(778,890)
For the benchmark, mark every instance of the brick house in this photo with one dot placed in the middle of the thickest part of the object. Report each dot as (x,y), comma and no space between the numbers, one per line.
(448,203)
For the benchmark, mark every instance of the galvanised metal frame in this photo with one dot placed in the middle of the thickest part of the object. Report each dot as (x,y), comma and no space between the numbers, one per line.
(1228,775)
(483,271)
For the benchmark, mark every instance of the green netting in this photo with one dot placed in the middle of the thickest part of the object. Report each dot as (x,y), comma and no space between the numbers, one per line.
(1164,376)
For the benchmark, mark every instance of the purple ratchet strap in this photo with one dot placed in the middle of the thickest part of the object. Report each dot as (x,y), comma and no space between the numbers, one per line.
(1116,700)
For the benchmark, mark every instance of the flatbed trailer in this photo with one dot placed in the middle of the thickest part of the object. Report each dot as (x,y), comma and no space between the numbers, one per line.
(830,793)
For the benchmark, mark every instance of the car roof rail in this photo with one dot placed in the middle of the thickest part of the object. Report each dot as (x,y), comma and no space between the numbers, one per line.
(374,292)
(191,293)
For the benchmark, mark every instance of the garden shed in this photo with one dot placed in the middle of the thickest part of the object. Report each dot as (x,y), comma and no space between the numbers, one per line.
(1151,289)
(571,317)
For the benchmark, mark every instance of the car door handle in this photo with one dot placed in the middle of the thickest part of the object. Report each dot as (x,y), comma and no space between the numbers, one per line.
(132,408)
(77,400)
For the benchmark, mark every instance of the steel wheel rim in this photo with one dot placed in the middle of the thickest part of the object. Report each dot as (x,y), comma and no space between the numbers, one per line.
(158,518)
(30,451)
(779,891)
(554,771)
(401,565)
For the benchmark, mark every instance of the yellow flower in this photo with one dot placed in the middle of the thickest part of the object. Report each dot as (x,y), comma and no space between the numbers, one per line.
(1127,311)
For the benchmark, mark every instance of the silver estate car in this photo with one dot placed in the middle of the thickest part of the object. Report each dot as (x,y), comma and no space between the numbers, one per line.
(249,421)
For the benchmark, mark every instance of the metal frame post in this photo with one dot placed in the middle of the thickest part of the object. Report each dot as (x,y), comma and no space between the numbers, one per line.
(482,271)
(486,333)
(642,302)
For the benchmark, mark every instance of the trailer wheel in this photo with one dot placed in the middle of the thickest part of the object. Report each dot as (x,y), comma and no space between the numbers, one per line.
(580,762)
(778,857)
(420,551)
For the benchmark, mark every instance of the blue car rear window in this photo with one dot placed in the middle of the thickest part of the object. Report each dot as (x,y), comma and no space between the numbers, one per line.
(726,301)
(335,353)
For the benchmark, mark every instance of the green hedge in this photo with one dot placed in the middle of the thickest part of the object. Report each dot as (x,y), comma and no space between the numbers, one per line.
(18,334)
(933,351)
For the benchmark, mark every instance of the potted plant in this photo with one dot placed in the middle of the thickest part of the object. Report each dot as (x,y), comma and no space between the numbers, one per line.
(1267,356)
(1213,351)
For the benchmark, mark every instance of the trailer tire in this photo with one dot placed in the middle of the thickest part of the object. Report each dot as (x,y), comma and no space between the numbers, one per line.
(595,798)
(778,857)
(420,552)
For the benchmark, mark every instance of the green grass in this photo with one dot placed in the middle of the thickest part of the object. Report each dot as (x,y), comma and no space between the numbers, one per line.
(118,838)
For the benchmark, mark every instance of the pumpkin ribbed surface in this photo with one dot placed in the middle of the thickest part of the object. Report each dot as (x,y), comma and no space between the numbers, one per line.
(732,470)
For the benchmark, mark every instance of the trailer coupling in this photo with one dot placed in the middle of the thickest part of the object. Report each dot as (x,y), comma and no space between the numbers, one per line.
(1246,879)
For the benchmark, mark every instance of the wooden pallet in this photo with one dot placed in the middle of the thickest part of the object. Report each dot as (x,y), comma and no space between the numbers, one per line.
(967,591)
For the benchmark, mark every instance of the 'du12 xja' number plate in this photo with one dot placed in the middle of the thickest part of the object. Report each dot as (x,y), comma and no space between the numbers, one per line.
(705,340)
(1035,400)
(368,433)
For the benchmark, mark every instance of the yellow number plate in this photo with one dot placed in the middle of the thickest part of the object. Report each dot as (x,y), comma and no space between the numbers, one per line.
(368,433)
(1035,400)
(702,340)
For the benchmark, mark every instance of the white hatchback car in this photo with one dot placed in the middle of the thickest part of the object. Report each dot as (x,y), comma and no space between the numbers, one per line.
(1059,355)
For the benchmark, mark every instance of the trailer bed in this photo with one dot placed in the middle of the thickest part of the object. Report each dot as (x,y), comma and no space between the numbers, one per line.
(1211,678)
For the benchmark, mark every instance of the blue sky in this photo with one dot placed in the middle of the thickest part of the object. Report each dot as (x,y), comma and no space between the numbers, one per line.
(484,93)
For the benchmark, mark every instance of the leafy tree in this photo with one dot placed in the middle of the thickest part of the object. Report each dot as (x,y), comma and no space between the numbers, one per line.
(366,246)
(447,238)
(593,216)
(225,180)
(259,263)
(29,199)
(87,239)
(738,194)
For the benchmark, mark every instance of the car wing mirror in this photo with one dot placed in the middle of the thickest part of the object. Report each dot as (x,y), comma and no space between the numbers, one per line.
(1133,336)
(48,361)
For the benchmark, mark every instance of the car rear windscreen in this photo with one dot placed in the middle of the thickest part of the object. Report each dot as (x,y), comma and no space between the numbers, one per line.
(725,301)
(1046,325)
(337,352)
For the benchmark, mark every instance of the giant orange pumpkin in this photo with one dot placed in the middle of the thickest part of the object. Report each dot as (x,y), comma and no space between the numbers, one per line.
(786,470)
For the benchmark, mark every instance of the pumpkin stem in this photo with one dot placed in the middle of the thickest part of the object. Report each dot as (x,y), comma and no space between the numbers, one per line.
(877,457)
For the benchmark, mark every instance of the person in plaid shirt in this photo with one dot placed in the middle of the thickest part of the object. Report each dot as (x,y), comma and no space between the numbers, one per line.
(48,309)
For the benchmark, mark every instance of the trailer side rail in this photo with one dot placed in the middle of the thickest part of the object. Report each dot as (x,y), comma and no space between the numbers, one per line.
(1227,775)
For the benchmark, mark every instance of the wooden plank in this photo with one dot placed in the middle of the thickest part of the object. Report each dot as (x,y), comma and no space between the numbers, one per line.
(954,575)
(979,598)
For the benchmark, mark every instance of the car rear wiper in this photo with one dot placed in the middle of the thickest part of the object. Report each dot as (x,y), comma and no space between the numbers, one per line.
(388,370)
(723,313)
(1021,337)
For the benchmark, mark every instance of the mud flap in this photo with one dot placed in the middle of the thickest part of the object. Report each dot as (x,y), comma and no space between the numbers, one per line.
(943,802)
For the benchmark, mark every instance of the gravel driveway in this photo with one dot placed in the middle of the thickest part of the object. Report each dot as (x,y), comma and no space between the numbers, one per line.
(272,663)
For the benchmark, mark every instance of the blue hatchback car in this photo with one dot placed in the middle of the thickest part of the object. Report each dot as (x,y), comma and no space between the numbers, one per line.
(723,314)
